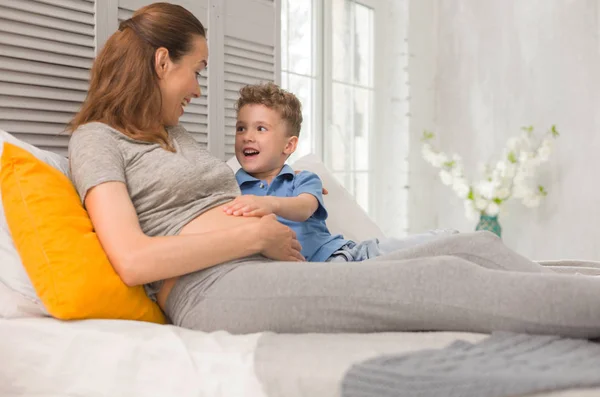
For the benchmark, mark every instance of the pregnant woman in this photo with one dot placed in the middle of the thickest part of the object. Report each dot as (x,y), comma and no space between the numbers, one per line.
(154,196)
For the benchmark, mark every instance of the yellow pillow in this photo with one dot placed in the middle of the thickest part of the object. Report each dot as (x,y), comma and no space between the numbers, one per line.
(59,248)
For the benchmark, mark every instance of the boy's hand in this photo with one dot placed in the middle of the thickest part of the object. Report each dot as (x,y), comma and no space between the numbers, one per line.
(251,205)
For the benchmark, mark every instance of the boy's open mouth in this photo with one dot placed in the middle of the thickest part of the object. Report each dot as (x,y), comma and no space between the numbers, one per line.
(250,152)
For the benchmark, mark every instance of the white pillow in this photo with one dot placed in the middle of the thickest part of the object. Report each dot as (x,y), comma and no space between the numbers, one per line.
(12,273)
(346,217)
(15,305)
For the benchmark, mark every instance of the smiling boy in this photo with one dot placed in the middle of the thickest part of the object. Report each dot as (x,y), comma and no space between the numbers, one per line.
(267,130)
(268,125)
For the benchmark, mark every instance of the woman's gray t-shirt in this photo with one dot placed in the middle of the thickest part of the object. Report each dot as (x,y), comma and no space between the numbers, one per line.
(167,189)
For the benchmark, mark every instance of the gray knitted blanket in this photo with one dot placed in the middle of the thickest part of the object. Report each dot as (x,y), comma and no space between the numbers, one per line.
(504,364)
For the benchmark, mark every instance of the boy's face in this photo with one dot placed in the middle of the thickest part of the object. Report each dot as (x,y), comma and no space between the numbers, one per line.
(262,143)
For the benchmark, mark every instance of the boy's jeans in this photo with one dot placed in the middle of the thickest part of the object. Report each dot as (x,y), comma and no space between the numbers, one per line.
(355,252)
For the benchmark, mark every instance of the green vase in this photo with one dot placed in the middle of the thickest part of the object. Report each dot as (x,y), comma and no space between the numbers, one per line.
(489,223)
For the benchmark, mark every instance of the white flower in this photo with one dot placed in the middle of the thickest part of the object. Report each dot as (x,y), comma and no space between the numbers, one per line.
(535,161)
(461,187)
(446,177)
(525,170)
(436,159)
(500,181)
(532,200)
(441,158)
(458,163)
(510,172)
(545,150)
(492,209)
(480,204)
(470,211)
(526,156)
(501,166)
(496,177)
(548,143)
(544,154)
(433,158)
(521,176)
(427,153)
(506,170)
(487,189)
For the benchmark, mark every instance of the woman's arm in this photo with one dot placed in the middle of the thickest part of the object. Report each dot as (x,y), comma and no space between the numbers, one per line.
(140,259)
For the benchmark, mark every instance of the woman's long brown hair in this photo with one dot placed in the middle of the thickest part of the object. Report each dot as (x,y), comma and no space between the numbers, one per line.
(124,91)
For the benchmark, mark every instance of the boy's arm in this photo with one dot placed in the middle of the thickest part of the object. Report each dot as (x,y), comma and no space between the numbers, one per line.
(298,208)
(307,201)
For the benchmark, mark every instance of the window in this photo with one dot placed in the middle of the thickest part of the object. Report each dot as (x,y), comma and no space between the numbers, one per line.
(347,141)
(327,61)
(300,69)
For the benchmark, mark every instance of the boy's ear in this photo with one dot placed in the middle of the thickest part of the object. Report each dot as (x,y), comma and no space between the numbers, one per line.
(290,147)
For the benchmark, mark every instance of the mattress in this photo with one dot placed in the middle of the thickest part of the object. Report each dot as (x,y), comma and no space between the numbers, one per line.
(48,357)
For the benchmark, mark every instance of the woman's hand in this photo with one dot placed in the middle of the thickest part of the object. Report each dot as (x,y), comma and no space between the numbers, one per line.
(251,205)
(278,241)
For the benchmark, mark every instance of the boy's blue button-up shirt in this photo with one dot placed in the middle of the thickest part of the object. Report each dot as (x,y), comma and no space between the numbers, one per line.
(317,242)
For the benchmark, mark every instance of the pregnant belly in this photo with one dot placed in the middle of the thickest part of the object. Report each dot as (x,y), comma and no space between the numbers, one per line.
(210,221)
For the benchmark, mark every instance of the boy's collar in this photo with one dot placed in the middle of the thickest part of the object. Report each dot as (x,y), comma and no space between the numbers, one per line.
(286,170)
(242,176)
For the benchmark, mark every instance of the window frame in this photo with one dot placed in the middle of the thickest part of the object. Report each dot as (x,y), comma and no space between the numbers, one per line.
(322,111)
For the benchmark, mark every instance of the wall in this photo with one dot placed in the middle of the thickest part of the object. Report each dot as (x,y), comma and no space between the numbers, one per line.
(391,144)
(422,67)
(482,70)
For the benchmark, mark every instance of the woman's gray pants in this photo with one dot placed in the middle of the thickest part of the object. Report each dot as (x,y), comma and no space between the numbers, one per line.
(463,282)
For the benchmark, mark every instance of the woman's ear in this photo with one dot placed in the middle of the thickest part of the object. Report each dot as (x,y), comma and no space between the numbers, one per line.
(162,61)
(291,145)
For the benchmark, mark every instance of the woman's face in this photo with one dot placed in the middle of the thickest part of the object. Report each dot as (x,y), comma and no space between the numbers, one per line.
(178,81)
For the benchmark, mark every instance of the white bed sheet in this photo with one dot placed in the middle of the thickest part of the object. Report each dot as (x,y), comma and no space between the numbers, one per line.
(47,357)
(310,365)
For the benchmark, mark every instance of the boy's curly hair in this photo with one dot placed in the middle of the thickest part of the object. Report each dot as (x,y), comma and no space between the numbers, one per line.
(274,97)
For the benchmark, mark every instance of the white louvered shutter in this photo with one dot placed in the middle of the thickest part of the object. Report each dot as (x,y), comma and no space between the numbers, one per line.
(195,118)
(47,48)
(46,52)
(248,54)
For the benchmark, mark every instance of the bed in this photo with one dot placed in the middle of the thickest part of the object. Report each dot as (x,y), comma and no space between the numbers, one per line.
(43,356)
(49,357)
